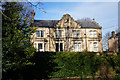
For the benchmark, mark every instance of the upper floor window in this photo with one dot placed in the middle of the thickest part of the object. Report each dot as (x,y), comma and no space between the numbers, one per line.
(39,33)
(76,33)
(58,33)
(93,33)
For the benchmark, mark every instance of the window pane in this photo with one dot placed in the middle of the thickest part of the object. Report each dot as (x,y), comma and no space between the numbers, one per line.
(57,46)
(91,46)
(40,46)
(75,33)
(95,34)
(37,33)
(42,33)
(60,33)
(61,46)
(79,47)
(95,47)
(56,34)
(75,47)
(78,33)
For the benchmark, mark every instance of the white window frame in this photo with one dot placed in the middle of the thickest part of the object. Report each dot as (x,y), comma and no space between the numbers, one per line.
(76,47)
(42,50)
(75,32)
(59,45)
(57,33)
(93,33)
(93,47)
(40,33)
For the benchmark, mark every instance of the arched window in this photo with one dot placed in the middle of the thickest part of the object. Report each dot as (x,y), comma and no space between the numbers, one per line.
(95,46)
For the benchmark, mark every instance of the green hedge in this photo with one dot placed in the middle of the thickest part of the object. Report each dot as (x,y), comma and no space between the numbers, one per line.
(71,64)
(66,64)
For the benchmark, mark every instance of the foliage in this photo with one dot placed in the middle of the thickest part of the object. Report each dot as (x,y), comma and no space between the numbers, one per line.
(114,62)
(72,64)
(16,47)
(42,68)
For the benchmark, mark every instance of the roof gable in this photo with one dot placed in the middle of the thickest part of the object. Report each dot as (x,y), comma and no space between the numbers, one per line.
(65,21)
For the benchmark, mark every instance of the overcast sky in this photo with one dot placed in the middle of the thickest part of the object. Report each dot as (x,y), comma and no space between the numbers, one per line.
(105,13)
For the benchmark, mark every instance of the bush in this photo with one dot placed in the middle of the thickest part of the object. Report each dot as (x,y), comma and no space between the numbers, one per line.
(71,64)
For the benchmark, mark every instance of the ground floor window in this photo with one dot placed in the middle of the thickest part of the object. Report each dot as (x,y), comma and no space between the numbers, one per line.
(94,46)
(39,46)
(77,47)
(59,46)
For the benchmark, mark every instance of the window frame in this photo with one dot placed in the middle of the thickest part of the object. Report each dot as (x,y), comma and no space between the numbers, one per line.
(40,33)
(76,47)
(93,33)
(58,33)
(43,47)
(76,33)
(59,46)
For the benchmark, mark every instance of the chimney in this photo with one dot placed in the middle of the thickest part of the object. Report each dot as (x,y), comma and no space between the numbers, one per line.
(32,14)
(113,33)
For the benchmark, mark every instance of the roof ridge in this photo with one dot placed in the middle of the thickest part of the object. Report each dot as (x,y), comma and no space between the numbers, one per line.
(47,20)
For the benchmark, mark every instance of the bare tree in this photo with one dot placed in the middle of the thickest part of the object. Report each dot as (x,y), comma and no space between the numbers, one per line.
(105,41)
(27,5)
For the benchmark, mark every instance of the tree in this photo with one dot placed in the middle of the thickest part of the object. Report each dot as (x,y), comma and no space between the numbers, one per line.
(105,41)
(16,48)
(80,64)
(25,3)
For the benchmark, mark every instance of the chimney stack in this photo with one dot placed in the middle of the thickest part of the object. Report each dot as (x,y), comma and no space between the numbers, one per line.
(113,33)
(32,14)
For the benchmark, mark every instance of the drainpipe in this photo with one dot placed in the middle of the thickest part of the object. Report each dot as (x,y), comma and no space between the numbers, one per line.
(49,38)
(86,39)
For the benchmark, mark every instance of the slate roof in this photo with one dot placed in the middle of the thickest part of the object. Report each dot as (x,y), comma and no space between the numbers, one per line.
(52,23)
(44,23)
(88,24)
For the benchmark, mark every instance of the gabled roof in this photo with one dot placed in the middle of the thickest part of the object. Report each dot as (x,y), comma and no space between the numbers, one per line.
(52,23)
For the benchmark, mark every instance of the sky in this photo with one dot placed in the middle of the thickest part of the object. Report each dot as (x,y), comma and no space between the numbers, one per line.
(105,13)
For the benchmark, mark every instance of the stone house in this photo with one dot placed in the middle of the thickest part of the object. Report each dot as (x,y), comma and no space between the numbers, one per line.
(67,34)
(114,42)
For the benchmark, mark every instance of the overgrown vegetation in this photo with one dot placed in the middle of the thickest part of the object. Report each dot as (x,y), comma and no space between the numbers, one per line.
(81,64)
(16,46)
(20,61)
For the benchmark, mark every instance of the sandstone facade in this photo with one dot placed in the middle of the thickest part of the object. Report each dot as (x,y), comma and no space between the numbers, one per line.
(67,34)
